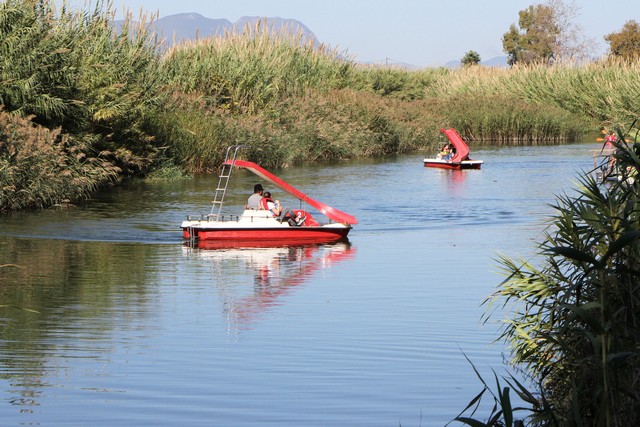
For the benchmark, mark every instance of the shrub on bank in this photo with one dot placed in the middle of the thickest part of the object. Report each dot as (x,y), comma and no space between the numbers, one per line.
(41,167)
(574,323)
(74,71)
(322,126)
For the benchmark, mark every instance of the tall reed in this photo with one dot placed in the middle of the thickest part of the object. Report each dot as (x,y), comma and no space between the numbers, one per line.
(574,325)
(41,167)
(92,85)
(605,91)
(245,71)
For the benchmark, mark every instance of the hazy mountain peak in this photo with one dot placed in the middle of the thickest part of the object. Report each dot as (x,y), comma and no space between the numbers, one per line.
(189,26)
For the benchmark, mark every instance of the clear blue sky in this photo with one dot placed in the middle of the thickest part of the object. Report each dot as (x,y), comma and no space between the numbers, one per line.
(418,32)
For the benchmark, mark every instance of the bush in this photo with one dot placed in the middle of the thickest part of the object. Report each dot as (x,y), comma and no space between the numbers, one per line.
(575,325)
(40,167)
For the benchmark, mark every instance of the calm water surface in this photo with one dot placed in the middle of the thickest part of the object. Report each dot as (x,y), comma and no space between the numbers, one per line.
(134,328)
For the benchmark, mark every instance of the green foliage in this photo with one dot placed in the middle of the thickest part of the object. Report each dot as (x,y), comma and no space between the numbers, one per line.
(504,413)
(625,43)
(247,71)
(396,82)
(575,324)
(166,172)
(72,70)
(470,58)
(40,167)
(510,121)
(535,40)
(196,139)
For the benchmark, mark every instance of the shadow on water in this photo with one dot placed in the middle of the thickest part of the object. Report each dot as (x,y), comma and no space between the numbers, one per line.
(142,213)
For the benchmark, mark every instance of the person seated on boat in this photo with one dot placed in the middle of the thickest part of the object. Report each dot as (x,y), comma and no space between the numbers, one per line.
(279,213)
(609,140)
(445,153)
(254,199)
(267,203)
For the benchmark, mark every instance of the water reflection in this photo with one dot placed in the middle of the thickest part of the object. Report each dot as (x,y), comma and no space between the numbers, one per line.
(453,181)
(276,272)
(136,328)
(62,301)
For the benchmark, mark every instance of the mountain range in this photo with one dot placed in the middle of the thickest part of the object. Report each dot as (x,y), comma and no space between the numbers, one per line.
(190,26)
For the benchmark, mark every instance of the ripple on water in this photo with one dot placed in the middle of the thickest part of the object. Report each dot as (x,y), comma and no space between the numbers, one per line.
(374,332)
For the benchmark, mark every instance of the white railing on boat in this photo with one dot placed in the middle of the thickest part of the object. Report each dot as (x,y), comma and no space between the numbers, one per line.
(213,217)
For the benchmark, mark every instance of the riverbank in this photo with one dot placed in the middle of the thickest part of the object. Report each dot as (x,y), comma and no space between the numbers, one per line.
(121,107)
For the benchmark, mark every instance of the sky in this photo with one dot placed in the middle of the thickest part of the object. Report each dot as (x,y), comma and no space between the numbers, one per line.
(423,33)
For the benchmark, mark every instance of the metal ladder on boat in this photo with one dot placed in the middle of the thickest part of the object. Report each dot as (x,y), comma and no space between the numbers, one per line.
(223,180)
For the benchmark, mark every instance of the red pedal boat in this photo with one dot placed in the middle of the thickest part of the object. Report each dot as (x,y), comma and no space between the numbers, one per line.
(460,159)
(260,227)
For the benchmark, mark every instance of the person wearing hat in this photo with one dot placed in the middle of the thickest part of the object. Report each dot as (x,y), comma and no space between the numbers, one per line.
(254,199)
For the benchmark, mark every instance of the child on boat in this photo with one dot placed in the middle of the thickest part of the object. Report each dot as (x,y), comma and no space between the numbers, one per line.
(267,203)
(280,213)
(445,153)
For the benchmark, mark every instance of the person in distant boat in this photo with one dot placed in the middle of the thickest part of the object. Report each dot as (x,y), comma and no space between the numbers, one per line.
(445,153)
(254,199)
(610,139)
(608,145)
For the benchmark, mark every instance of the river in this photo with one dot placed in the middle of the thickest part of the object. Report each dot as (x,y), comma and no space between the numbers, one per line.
(109,319)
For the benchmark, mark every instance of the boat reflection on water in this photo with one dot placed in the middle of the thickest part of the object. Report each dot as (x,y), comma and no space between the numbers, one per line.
(276,272)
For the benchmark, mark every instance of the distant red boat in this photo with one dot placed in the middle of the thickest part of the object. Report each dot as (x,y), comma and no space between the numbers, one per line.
(460,159)
(260,227)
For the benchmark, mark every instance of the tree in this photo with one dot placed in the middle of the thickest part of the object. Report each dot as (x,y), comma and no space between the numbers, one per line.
(571,45)
(470,58)
(546,34)
(626,43)
(535,40)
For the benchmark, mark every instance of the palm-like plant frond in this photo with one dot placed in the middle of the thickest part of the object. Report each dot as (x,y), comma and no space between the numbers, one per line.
(575,324)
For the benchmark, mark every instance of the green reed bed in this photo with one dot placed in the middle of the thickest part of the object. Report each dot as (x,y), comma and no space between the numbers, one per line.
(72,72)
(474,101)
(247,71)
(396,82)
(343,124)
(607,91)
(321,126)
(196,140)
(596,92)
(40,167)
(509,121)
